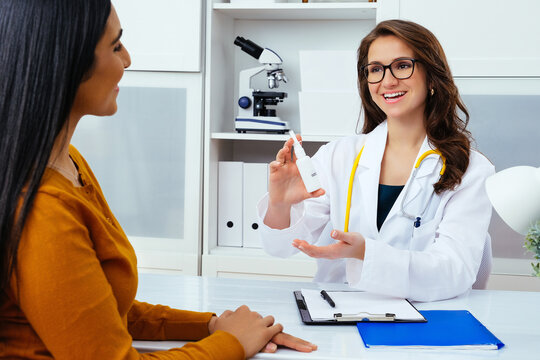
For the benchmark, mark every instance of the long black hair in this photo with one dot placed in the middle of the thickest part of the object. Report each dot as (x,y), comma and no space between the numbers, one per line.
(46,50)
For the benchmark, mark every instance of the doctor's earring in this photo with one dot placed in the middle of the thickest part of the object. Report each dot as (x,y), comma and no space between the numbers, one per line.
(432,91)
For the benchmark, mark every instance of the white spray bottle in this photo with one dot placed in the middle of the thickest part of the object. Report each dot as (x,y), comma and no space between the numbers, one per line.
(305,166)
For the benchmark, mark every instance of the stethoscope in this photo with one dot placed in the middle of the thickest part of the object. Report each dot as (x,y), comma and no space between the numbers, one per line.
(416,219)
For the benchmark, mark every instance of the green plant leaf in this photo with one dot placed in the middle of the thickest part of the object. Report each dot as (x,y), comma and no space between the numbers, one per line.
(532,244)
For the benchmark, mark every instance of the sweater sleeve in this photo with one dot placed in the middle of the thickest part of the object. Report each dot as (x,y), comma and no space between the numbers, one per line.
(158,322)
(68,300)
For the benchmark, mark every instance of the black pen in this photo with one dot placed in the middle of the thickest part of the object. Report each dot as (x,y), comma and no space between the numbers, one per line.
(327,297)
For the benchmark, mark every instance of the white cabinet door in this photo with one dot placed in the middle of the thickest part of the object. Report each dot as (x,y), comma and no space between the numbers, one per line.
(483,37)
(147,158)
(162,35)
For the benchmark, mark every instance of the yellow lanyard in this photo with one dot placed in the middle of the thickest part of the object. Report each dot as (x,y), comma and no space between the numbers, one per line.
(353,172)
(349,194)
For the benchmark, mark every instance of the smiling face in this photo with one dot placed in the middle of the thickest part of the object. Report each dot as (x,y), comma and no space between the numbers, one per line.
(97,94)
(403,100)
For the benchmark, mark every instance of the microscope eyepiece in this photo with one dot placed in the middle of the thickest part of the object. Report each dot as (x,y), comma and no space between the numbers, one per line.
(248,46)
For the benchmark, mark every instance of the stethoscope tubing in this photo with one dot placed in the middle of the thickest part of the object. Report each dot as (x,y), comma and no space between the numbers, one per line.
(416,219)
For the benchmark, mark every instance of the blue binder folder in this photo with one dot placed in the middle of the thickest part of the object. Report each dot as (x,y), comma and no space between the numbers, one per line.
(457,329)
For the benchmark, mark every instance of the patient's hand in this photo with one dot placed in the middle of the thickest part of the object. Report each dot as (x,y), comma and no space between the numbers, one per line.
(250,328)
(292,342)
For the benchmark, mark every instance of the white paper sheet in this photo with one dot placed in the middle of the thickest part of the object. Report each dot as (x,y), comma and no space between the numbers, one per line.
(354,302)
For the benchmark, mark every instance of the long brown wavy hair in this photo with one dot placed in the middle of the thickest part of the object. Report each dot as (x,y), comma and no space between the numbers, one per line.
(445,129)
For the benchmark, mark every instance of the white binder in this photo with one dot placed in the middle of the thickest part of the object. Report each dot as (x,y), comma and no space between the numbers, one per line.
(255,186)
(230,203)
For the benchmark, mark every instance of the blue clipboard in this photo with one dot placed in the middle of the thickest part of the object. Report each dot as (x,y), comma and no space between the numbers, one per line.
(444,328)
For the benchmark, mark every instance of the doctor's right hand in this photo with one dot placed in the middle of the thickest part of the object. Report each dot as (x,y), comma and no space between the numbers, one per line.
(285,188)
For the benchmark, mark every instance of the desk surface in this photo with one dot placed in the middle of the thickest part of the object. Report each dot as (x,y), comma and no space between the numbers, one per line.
(514,317)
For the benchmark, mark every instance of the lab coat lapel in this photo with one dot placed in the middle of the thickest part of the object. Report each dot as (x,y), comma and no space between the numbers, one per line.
(426,168)
(368,172)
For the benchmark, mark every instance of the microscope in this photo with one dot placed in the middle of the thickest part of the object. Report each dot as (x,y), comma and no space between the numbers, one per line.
(253,114)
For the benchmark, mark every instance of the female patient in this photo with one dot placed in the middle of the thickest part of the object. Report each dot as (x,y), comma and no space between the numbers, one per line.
(68,275)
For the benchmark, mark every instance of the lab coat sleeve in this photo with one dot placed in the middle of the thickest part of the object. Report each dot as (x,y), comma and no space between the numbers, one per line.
(449,265)
(305,225)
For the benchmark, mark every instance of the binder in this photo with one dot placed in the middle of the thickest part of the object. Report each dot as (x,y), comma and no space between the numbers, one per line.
(448,329)
(230,203)
(255,186)
(352,307)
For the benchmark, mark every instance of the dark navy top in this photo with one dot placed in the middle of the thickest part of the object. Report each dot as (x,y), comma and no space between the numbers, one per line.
(387,197)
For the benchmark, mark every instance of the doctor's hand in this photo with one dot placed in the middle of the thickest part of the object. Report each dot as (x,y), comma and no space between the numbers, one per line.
(349,245)
(285,185)
(285,188)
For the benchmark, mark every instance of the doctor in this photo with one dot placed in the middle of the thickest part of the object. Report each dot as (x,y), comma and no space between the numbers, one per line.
(402,210)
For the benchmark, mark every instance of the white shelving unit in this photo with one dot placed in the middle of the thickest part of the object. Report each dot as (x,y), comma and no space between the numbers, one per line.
(494,55)
(486,59)
(285,28)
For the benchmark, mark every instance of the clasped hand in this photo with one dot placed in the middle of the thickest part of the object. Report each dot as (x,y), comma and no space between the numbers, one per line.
(256,333)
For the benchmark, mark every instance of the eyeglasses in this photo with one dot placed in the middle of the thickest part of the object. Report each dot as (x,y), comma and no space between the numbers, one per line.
(400,68)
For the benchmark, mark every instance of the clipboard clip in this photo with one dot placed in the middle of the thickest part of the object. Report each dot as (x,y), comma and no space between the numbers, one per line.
(364,316)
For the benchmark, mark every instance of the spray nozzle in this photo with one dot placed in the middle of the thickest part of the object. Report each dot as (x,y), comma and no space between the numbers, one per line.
(298,149)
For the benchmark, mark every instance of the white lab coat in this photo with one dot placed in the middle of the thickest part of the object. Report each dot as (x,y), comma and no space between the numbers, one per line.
(438,260)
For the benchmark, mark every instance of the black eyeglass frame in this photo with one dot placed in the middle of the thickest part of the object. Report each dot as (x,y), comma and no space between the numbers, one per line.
(389,67)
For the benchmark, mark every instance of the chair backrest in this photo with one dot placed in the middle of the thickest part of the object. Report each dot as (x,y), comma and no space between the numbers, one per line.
(485,266)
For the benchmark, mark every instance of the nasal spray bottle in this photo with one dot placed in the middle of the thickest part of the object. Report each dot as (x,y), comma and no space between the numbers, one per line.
(305,166)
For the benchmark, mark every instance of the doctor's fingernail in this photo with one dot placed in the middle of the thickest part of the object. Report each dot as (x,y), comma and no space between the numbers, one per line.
(334,233)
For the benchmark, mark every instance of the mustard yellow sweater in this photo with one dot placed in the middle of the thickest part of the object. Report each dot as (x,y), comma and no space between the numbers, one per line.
(73,294)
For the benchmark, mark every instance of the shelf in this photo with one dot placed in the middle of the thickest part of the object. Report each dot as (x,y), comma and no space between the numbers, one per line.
(271,137)
(299,11)
(256,264)
(253,252)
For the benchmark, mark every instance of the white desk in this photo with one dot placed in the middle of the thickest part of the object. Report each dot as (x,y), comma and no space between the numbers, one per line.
(514,317)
